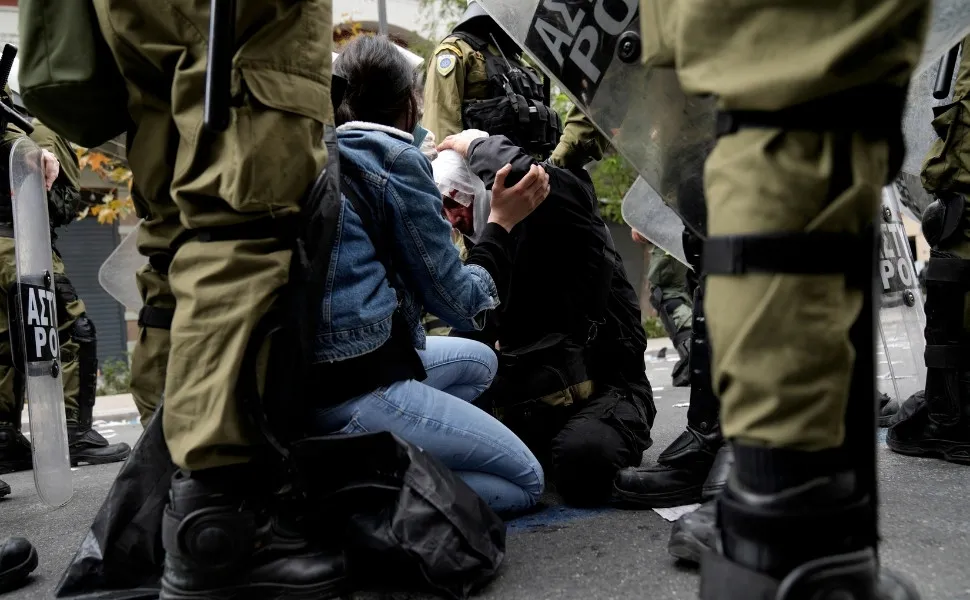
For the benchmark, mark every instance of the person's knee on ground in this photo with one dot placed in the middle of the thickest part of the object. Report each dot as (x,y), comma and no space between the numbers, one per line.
(593,446)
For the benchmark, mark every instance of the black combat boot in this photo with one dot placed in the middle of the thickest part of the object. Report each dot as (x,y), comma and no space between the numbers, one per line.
(89,447)
(221,542)
(681,371)
(682,468)
(14,450)
(4,488)
(936,422)
(696,532)
(18,559)
(795,496)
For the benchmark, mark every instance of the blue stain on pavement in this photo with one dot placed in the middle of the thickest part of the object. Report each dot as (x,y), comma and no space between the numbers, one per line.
(553,516)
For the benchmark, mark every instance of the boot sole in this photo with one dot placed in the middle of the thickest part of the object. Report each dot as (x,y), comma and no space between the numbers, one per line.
(682,497)
(98,460)
(334,588)
(686,547)
(19,573)
(963,458)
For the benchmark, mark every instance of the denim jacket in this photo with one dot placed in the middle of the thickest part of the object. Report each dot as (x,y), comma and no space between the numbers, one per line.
(395,180)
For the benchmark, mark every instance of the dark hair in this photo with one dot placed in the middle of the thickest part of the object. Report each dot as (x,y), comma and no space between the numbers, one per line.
(381,86)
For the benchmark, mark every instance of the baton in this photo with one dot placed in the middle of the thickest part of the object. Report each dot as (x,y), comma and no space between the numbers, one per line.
(222,33)
(944,73)
(8,114)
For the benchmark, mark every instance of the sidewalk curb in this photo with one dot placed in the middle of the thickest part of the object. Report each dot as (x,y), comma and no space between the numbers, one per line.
(119,407)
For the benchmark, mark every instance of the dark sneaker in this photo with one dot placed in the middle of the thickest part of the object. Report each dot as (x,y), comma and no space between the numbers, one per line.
(90,447)
(888,409)
(916,433)
(18,559)
(14,451)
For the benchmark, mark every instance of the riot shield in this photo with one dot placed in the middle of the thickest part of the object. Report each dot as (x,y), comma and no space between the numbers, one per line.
(34,319)
(901,370)
(591,52)
(117,273)
(645,211)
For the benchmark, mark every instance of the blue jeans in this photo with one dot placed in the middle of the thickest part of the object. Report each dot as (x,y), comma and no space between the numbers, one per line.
(437,416)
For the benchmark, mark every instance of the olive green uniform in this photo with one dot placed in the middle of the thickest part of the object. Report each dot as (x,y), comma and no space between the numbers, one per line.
(669,276)
(259,168)
(947,165)
(761,180)
(935,422)
(69,308)
(446,88)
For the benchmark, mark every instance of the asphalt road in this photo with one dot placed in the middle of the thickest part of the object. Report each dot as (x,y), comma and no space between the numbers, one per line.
(569,554)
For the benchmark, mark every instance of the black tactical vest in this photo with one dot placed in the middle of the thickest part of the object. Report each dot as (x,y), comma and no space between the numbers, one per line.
(517,105)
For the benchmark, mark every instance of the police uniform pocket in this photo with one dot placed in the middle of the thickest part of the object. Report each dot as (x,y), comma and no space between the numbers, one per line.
(273,148)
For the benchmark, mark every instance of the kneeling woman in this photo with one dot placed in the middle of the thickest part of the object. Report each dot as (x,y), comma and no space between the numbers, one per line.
(381,373)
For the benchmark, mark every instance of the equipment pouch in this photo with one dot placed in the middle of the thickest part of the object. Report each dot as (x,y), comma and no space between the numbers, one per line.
(64,56)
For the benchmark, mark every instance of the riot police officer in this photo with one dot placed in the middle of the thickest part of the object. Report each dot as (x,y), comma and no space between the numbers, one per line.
(670,298)
(477,79)
(936,422)
(79,360)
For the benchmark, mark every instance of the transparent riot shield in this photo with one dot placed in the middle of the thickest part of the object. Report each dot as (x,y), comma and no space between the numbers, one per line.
(901,370)
(591,51)
(645,211)
(34,319)
(117,273)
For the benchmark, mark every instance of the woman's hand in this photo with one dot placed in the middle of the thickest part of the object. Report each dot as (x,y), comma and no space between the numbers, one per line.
(52,167)
(511,205)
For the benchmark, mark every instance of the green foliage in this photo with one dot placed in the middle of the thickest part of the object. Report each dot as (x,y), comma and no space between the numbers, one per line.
(442,11)
(653,328)
(115,378)
(612,178)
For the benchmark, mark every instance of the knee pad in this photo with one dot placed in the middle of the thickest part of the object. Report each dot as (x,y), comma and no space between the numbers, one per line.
(942,218)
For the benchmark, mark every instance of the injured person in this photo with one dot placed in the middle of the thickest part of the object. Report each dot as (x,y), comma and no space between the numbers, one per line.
(571,379)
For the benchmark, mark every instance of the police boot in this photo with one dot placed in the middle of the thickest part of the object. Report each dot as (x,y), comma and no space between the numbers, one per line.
(789,530)
(681,371)
(682,469)
(222,542)
(696,532)
(18,559)
(936,422)
(14,450)
(88,446)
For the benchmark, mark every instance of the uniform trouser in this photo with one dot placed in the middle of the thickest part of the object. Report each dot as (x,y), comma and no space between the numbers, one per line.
(781,351)
(668,289)
(259,168)
(947,165)
(70,309)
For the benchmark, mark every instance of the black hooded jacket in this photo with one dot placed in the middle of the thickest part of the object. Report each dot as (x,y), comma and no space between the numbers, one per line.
(566,276)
